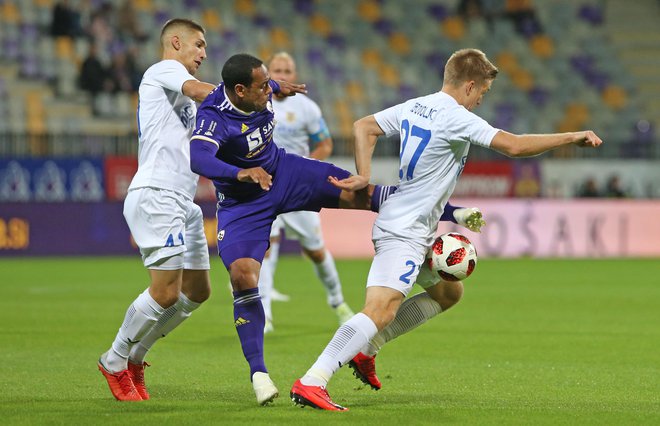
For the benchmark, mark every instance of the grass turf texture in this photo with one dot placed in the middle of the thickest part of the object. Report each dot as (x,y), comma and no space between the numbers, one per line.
(532,342)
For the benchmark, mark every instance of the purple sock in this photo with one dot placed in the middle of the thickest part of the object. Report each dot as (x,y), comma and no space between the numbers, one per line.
(448,213)
(249,320)
(381,192)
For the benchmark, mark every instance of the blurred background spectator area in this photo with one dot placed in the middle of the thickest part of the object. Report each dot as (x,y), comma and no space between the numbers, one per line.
(69,69)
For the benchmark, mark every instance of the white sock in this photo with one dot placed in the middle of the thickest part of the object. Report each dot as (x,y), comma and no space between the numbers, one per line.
(412,313)
(327,273)
(266,286)
(345,344)
(140,318)
(168,321)
(274,256)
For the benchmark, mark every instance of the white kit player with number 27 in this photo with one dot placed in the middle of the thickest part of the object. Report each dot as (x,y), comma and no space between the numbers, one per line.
(436,132)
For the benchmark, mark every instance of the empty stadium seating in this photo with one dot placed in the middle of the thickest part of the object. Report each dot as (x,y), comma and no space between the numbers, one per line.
(563,66)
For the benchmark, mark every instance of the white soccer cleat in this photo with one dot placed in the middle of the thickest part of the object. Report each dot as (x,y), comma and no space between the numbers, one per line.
(470,217)
(264,388)
(344,313)
(276,296)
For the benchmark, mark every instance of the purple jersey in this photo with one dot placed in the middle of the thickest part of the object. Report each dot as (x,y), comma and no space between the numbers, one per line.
(243,140)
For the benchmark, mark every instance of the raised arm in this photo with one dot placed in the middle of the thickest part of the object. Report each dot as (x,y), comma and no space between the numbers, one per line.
(287,89)
(529,145)
(366,131)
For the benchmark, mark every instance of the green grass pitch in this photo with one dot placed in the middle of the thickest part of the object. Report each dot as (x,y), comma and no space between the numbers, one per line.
(532,342)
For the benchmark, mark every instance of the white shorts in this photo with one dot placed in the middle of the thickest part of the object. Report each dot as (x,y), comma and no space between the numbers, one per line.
(168,228)
(397,264)
(304,226)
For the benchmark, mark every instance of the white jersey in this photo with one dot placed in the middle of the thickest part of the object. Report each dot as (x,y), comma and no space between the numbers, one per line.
(299,120)
(436,133)
(166,118)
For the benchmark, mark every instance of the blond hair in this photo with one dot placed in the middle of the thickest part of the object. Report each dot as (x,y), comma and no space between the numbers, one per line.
(280,55)
(469,65)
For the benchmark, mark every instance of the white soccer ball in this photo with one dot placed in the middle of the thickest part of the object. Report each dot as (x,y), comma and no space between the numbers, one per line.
(452,257)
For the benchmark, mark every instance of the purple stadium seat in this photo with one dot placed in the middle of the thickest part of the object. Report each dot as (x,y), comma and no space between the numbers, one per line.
(29,31)
(161,16)
(304,7)
(262,21)
(229,37)
(529,27)
(538,96)
(384,27)
(582,63)
(336,40)
(191,4)
(315,56)
(591,13)
(504,115)
(407,91)
(597,79)
(30,66)
(437,61)
(218,51)
(438,11)
(334,72)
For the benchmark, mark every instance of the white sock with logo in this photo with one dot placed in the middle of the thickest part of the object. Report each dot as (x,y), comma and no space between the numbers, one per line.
(345,344)
(140,318)
(171,318)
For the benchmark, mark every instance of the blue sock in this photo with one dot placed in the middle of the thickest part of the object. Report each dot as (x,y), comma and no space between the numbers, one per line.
(448,213)
(381,193)
(249,320)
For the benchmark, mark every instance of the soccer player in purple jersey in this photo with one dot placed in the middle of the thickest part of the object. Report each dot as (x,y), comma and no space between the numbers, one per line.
(232,144)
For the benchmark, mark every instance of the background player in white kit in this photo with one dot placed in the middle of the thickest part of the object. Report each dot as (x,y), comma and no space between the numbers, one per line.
(436,131)
(165,223)
(299,123)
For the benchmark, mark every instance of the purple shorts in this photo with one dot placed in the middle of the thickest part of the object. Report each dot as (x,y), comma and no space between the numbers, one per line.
(298,184)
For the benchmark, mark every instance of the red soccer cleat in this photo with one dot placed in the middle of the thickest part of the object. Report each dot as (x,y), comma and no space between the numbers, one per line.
(364,368)
(121,384)
(313,396)
(137,374)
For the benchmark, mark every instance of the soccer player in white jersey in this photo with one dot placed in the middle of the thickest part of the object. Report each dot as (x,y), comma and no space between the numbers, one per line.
(165,223)
(299,125)
(436,132)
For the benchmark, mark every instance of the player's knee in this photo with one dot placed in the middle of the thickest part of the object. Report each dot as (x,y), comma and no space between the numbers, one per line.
(199,294)
(244,274)
(165,296)
(381,316)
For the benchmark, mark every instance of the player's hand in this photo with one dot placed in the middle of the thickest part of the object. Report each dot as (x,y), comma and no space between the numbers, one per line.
(290,89)
(588,139)
(470,217)
(256,175)
(351,183)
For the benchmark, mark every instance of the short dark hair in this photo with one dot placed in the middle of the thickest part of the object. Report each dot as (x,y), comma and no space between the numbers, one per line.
(176,23)
(238,70)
